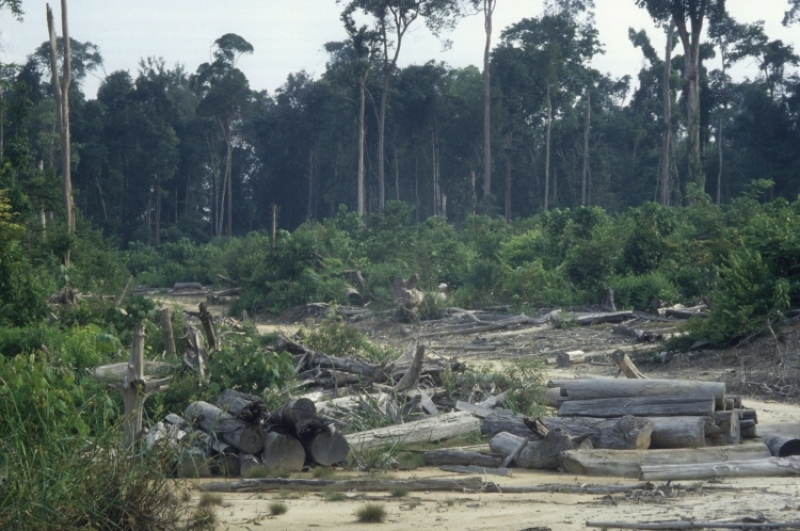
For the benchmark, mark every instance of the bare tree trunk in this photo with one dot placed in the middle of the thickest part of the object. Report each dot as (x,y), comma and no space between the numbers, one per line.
(229,179)
(488,11)
(585,175)
(396,174)
(666,135)
(691,49)
(719,150)
(435,169)
(508,177)
(382,143)
(361,147)
(158,209)
(547,150)
(310,208)
(61,93)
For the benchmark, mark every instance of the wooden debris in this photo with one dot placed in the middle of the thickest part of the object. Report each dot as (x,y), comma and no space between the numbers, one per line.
(689,524)
(469,484)
(591,388)
(645,406)
(245,437)
(783,446)
(626,433)
(249,408)
(411,377)
(282,452)
(769,467)
(430,429)
(474,469)
(628,463)
(461,457)
(626,366)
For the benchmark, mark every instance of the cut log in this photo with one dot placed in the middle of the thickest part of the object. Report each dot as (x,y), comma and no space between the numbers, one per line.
(679,432)
(193,463)
(461,457)
(245,437)
(297,418)
(505,443)
(692,524)
(729,427)
(626,433)
(250,465)
(474,469)
(208,327)
(646,406)
(591,388)
(498,423)
(249,408)
(283,452)
(544,454)
(573,357)
(747,414)
(430,429)
(769,467)
(747,429)
(627,366)
(627,463)
(783,446)
(483,412)
(636,333)
(470,484)
(327,448)
(405,293)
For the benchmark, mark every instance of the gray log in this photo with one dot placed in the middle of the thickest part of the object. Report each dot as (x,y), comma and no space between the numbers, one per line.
(461,457)
(249,408)
(249,465)
(646,406)
(783,446)
(729,427)
(748,429)
(544,454)
(626,433)
(430,429)
(165,316)
(591,388)
(283,452)
(245,437)
(470,484)
(498,423)
(328,448)
(482,411)
(679,432)
(474,469)
(769,467)
(627,463)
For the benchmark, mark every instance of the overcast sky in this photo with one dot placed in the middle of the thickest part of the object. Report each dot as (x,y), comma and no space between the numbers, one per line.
(289,36)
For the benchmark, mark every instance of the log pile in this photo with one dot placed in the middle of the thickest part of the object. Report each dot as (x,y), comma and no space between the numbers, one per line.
(238,436)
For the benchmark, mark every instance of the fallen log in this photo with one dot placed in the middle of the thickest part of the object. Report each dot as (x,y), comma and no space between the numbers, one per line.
(574,357)
(747,429)
(460,457)
(679,432)
(297,418)
(283,452)
(636,333)
(690,524)
(474,469)
(248,438)
(197,286)
(783,446)
(628,463)
(506,444)
(729,426)
(626,433)
(327,448)
(249,408)
(769,467)
(411,377)
(587,319)
(646,406)
(591,388)
(542,454)
(430,429)
(482,411)
(580,489)
(249,465)
(469,484)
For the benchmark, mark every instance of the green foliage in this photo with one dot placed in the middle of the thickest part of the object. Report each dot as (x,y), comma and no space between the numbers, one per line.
(337,338)
(278,508)
(638,292)
(371,513)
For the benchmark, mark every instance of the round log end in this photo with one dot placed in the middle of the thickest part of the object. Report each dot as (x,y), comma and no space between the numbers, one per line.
(329,448)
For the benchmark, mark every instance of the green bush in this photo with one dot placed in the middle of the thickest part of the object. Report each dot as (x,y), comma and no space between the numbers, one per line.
(638,292)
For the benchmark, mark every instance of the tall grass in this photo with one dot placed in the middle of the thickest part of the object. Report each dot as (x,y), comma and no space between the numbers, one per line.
(60,465)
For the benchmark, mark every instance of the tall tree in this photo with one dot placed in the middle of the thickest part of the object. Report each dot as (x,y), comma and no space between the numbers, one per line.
(689,16)
(60,87)
(392,20)
(225,91)
(487,7)
(666,117)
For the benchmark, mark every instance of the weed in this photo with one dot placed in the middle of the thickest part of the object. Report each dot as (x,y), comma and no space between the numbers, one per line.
(278,508)
(203,519)
(371,513)
(209,498)
(333,496)
(450,502)
(323,472)
(398,492)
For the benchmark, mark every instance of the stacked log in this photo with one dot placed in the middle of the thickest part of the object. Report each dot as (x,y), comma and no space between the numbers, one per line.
(238,436)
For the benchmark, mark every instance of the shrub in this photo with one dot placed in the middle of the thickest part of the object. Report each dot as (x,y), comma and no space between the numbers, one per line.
(638,292)
(371,513)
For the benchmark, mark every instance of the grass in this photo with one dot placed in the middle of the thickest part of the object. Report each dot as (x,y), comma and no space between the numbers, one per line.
(264,472)
(278,508)
(398,492)
(203,519)
(450,502)
(371,513)
(333,496)
(323,472)
(208,499)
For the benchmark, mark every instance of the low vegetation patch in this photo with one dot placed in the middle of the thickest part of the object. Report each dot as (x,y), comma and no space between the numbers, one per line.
(371,513)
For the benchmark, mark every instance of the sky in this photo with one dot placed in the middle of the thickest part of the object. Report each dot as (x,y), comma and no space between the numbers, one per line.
(290,36)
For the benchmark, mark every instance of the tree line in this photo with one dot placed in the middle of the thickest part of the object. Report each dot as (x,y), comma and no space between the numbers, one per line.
(167,153)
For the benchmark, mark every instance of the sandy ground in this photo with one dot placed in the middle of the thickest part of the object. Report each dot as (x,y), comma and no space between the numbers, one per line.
(775,498)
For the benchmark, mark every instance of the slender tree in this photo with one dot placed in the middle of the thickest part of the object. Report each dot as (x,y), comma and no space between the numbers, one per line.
(666,117)
(61,86)
(487,7)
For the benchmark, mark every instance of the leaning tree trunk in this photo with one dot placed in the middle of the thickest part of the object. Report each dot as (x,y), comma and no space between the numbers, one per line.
(61,93)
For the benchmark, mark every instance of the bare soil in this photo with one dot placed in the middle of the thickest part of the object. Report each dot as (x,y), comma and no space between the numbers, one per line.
(764,371)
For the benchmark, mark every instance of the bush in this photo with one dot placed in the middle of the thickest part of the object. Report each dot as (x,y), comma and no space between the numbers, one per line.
(638,292)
